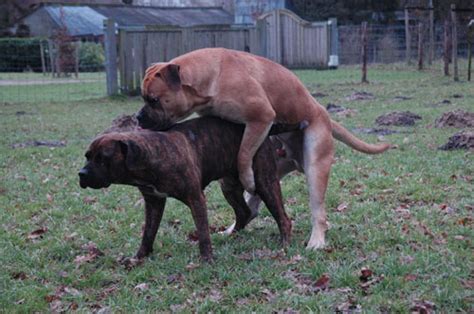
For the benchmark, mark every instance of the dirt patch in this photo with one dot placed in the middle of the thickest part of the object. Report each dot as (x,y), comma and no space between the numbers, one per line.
(340,111)
(457,96)
(455,119)
(360,96)
(331,108)
(460,140)
(36,143)
(376,131)
(444,102)
(123,123)
(318,95)
(400,98)
(398,118)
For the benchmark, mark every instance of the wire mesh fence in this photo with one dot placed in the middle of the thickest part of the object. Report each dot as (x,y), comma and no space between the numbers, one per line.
(48,70)
(387,43)
(40,70)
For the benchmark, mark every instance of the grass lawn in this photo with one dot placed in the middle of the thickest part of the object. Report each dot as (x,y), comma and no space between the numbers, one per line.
(39,89)
(409,216)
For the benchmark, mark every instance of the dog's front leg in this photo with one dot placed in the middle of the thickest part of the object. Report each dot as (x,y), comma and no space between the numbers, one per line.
(154,207)
(199,212)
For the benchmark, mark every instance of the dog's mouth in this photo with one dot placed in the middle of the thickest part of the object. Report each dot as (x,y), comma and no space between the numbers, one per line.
(84,183)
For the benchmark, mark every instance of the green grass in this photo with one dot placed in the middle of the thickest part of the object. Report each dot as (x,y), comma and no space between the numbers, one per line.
(40,89)
(39,188)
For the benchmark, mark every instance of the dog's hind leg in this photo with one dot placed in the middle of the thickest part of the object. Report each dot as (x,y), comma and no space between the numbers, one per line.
(233,193)
(318,158)
(154,207)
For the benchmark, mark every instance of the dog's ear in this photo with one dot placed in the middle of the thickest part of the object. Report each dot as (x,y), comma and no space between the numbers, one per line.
(132,153)
(170,74)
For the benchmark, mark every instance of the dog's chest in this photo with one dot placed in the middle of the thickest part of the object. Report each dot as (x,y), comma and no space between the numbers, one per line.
(153,191)
(224,109)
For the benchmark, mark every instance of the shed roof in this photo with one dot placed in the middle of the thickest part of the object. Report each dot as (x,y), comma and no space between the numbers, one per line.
(88,19)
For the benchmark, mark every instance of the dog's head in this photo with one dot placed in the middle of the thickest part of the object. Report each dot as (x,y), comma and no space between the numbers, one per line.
(164,96)
(111,158)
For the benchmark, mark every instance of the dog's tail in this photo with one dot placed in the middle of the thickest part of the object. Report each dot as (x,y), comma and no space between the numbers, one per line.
(342,134)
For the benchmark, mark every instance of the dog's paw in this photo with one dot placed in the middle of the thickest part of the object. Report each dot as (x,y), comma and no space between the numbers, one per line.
(316,244)
(130,262)
(229,230)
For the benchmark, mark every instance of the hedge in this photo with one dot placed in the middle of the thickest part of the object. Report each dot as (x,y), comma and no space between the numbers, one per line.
(23,54)
(20,54)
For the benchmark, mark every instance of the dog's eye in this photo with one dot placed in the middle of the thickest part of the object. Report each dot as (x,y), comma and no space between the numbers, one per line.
(88,155)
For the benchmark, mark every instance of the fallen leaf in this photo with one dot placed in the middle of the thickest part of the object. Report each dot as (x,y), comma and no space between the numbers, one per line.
(49,198)
(193,236)
(90,200)
(269,295)
(366,285)
(291,201)
(407,259)
(38,233)
(192,266)
(72,291)
(93,253)
(342,207)
(423,307)
(141,287)
(468,283)
(129,262)
(410,277)
(21,301)
(19,276)
(459,237)
(365,274)
(215,295)
(323,282)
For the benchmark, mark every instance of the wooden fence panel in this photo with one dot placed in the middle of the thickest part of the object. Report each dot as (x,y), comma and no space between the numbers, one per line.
(279,35)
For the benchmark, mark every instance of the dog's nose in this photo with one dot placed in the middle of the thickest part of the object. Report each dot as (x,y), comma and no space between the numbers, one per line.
(83,172)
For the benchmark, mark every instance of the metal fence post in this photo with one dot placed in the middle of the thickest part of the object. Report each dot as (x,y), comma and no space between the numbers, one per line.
(110,56)
(333,55)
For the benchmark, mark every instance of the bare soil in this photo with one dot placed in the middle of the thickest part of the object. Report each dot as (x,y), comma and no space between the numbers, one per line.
(360,96)
(455,119)
(460,140)
(36,143)
(398,118)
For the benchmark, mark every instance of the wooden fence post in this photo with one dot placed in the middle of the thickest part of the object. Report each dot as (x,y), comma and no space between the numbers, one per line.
(454,36)
(43,63)
(364,41)
(407,37)
(431,52)
(446,43)
(76,58)
(110,56)
(469,60)
(420,46)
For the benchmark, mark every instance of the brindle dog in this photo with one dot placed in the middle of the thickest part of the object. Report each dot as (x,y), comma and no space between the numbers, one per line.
(180,163)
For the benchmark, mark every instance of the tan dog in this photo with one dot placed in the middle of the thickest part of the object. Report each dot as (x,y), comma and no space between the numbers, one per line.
(249,89)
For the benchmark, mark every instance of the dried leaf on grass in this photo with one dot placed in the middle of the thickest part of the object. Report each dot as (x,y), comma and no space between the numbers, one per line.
(365,274)
(423,307)
(38,233)
(342,207)
(92,253)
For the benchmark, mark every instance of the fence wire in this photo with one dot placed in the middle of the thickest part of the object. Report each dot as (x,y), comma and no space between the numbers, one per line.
(39,70)
(387,44)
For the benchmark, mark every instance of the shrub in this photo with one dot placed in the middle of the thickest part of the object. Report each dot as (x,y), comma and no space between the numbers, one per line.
(91,57)
(20,54)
